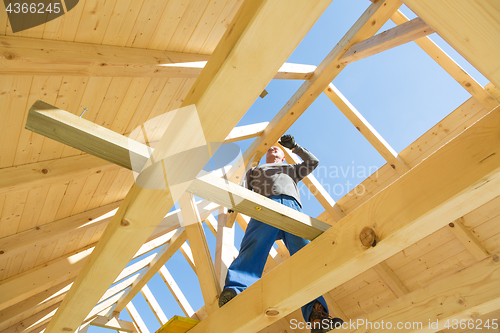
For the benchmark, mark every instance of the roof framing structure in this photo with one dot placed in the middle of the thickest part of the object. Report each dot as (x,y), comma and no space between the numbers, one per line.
(453,172)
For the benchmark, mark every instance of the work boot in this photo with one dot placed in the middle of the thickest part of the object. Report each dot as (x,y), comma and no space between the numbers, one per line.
(321,321)
(225,296)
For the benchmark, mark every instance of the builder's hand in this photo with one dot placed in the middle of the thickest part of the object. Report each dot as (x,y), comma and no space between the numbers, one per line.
(287,141)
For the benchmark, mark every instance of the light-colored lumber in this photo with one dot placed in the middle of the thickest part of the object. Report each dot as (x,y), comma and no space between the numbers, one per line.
(450,66)
(392,281)
(366,26)
(36,57)
(263,209)
(316,188)
(37,302)
(224,244)
(34,321)
(464,295)
(461,176)
(139,323)
(386,40)
(367,130)
(178,325)
(113,323)
(38,236)
(256,32)
(176,291)
(24,177)
(34,281)
(467,239)
(153,304)
(154,266)
(471,27)
(205,269)
(29,56)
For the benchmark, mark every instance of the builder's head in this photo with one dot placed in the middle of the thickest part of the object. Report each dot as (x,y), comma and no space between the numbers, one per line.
(275,155)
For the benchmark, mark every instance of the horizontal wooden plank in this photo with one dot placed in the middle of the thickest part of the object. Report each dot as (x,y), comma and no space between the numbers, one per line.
(244,201)
(386,40)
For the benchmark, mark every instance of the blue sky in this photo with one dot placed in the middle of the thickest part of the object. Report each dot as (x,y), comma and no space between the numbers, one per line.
(401,92)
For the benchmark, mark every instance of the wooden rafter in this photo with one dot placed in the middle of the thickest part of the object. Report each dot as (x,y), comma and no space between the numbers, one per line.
(28,56)
(139,323)
(154,266)
(364,127)
(176,291)
(205,269)
(459,177)
(153,304)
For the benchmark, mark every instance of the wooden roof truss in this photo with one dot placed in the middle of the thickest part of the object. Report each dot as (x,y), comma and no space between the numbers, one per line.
(453,176)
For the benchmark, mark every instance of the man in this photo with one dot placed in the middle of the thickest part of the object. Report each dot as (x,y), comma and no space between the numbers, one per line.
(277,181)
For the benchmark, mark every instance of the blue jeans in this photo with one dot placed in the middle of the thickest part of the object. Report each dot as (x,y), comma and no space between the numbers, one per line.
(255,246)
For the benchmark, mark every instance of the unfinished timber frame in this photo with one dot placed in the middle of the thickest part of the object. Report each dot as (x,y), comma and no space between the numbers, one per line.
(393,254)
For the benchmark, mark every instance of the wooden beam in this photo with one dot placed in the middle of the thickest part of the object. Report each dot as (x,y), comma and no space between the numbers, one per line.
(467,239)
(139,323)
(38,236)
(450,66)
(114,324)
(364,127)
(472,28)
(153,304)
(366,26)
(461,176)
(205,270)
(263,209)
(176,291)
(463,295)
(30,56)
(256,32)
(386,40)
(25,177)
(158,261)
(224,254)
